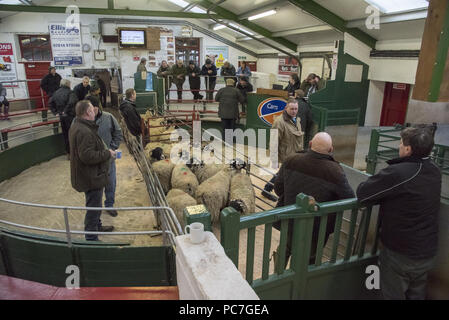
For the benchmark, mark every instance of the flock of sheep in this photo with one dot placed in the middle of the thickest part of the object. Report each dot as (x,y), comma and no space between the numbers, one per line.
(186,184)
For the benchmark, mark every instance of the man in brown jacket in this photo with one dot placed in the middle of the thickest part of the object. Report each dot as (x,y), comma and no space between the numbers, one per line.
(89,165)
(290,138)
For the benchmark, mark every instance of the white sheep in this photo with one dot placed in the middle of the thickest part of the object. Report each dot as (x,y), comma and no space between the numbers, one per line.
(163,170)
(213,193)
(242,196)
(178,200)
(182,178)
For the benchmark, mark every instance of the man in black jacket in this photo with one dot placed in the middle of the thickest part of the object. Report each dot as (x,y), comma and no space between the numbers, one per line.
(132,117)
(305,114)
(245,86)
(314,173)
(194,73)
(82,89)
(50,83)
(89,165)
(209,70)
(63,103)
(408,192)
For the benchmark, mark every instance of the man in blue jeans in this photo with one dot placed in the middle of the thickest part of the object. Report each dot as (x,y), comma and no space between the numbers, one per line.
(89,165)
(110,132)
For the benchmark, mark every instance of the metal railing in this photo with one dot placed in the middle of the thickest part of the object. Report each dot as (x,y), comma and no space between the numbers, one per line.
(204,87)
(68,232)
(303,214)
(27,129)
(22,85)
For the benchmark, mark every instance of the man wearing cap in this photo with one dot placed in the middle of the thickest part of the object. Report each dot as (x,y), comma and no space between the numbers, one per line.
(228,108)
(50,83)
(179,73)
(210,71)
(141,67)
(228,70)
(194,80)
(163,72)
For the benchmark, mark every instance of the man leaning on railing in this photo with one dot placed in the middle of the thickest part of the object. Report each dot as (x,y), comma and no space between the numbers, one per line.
(313,172)
(408,192)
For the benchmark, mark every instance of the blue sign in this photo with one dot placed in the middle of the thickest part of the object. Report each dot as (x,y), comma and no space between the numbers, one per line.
(270,108)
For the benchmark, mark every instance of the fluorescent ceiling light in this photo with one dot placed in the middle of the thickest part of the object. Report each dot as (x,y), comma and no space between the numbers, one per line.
(10,2)
(263,14)
(392,6)
(197,10)
(219,26)
(241,29)
(180,3)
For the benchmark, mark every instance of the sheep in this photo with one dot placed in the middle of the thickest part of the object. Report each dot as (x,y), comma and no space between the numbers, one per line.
(163,170)
(213,193)
(178,200)
(242,196)
(203,171)
(152,146)
(182,178)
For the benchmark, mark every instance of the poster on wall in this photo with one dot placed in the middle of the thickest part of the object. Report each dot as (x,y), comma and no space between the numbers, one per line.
(217,54)
(167,51)
(66,44)
(288,66)
(7,64)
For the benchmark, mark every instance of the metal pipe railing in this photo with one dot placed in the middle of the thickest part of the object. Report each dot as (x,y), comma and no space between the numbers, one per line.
(69,232)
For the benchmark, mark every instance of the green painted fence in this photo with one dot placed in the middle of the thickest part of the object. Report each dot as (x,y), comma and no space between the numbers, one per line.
(337,278)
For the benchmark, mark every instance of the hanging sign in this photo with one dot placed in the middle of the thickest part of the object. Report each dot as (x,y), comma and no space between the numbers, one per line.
(66,44)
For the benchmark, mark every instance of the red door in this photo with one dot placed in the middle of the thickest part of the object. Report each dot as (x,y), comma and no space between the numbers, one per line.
(35,71)
(394,107)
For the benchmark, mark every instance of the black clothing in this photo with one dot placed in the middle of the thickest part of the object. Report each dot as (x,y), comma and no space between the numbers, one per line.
(305,114)
(132,117)
(314,174)
(195,82)
(50,83)
(210,80)
(292,87)
(81,91)
(408,192)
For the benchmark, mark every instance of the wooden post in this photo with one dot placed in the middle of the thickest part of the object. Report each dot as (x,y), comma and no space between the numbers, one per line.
(432,76)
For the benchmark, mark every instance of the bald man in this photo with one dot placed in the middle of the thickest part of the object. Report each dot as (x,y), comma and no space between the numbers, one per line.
(315,173)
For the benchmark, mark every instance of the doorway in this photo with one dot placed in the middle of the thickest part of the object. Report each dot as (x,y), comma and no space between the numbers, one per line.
(36,50)
(394,106)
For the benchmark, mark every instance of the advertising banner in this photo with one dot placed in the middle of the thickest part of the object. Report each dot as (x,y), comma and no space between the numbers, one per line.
(66,44)
(288,66)
(217,54)
(7,64)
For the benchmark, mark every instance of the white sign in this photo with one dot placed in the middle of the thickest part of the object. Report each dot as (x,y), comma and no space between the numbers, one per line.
(353,73)
(66,44)
(7,64)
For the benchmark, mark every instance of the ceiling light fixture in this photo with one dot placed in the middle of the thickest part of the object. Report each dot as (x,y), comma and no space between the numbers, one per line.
(263,14)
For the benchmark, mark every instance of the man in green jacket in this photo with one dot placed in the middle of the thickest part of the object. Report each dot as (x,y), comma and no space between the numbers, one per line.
(228,108)
(89,165)
(179,72)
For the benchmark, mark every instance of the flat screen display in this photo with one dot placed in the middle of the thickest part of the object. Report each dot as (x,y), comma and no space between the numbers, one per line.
(132,37)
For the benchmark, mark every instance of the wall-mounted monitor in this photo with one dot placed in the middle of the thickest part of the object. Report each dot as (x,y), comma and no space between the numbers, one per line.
(132,38)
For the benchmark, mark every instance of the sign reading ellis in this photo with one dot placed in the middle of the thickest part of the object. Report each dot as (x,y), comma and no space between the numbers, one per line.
(270,108)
